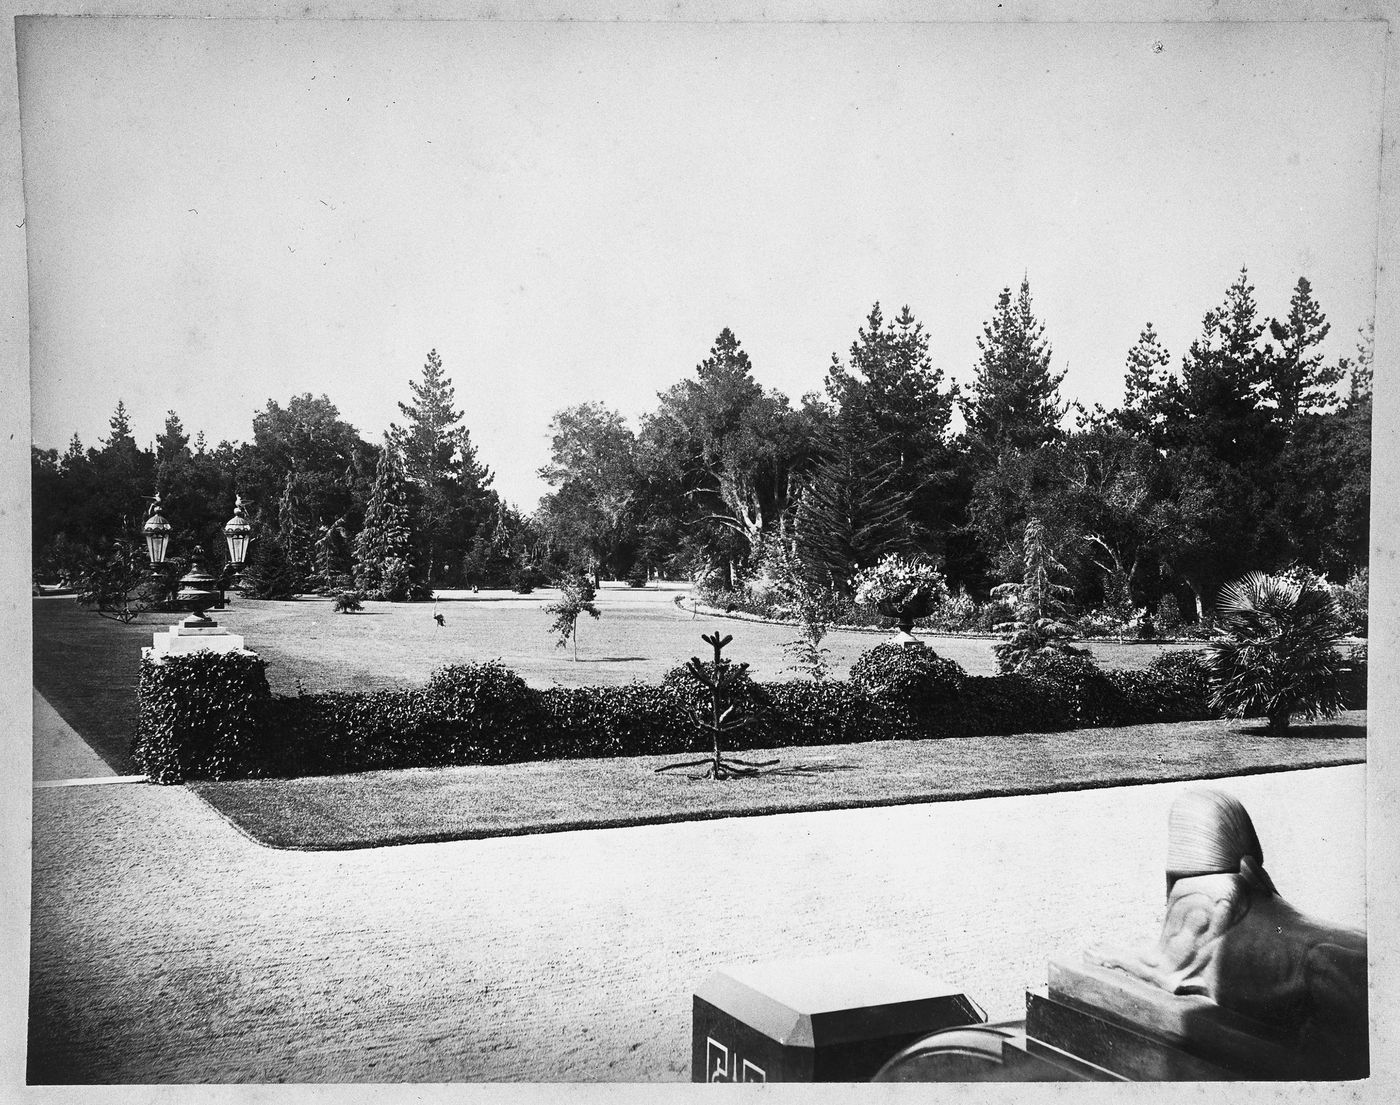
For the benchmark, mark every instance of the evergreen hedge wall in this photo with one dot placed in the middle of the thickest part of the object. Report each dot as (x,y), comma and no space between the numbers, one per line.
(212,716)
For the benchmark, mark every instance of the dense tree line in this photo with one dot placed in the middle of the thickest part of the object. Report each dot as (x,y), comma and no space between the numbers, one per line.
(330,511)
(1251,452)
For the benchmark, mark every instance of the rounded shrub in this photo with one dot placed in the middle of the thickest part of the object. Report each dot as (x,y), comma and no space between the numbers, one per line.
(1086,692)
(912,675)
(1183,670)
(485,712)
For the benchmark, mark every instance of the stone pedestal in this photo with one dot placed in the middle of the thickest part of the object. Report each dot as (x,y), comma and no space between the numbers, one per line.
(190,636)
(826,1019)
(1090,1023)
(1142,1033)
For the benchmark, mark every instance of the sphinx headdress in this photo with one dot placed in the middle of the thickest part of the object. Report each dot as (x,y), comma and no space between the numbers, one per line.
(1209,833)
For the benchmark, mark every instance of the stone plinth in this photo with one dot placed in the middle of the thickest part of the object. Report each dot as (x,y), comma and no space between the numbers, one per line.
(826,1019)
(182,639)
(1143,1033)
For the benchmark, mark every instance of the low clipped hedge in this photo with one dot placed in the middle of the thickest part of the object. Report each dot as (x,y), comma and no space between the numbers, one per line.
(202,716)
(212,716)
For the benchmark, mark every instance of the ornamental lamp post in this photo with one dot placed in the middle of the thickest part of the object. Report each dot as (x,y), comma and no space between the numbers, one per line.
(157,533)
(237,532)
(198,591)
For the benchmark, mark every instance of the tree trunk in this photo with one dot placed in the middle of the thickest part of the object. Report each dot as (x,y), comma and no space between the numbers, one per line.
(1278,722)
(1198,598)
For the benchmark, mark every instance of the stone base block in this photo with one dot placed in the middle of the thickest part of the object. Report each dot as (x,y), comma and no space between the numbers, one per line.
(180,640)
(1143,1033)
(827,1019)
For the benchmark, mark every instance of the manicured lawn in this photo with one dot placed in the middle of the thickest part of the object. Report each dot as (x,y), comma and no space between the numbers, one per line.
(87,666)
(87,669)
(400,807)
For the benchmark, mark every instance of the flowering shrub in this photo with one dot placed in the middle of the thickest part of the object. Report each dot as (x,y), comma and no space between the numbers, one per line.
(1168,614)
(899,581)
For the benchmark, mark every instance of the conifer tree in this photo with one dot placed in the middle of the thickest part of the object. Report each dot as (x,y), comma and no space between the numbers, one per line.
(119,439)
(890,398)
(384,548)
(172,444)
(454,488)
(296,530)
(1145,375)
(123,475)
(1298,380)
(1013,403)
(850,515)
(1223,442)
(1359,372)
(1216,404)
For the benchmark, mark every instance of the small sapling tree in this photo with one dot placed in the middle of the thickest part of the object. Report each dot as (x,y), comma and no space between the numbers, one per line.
(720,715)
(576,594)
(815,607)
(349,602)
(110,584)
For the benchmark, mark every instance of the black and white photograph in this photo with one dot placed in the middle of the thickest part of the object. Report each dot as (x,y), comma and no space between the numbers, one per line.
(639,546)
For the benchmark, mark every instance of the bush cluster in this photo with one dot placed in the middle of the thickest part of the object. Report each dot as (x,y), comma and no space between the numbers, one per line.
(915,676)
(212,715)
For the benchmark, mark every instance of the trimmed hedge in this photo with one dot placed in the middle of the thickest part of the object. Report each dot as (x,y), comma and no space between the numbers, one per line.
(202,716)
(210,715)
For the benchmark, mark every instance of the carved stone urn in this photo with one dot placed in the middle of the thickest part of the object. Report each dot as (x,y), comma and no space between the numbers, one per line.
(916,604)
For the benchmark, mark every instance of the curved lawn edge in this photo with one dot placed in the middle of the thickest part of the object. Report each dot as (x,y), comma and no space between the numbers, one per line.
(437,805)
(924,631)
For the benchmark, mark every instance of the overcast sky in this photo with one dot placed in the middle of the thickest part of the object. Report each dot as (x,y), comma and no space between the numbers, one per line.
(221,213)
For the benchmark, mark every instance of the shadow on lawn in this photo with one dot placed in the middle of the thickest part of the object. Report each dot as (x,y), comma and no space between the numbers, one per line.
(611,659)
(1306,731)
(801,770)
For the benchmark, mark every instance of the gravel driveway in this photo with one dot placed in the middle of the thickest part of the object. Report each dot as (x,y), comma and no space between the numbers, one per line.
(166,947)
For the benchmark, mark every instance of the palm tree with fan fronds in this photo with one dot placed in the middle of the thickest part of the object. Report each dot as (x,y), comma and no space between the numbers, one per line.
(1277,655)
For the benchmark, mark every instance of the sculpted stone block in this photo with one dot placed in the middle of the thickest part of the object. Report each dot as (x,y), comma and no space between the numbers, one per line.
(1231,939)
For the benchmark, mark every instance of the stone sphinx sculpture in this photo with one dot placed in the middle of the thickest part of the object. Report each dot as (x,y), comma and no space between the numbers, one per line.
(1230,937)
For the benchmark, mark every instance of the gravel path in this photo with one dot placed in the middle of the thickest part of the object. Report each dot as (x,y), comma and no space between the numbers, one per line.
(166,947)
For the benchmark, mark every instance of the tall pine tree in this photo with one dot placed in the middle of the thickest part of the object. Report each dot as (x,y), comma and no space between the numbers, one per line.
(1298,380)
(124,476)
(1013,403)
(1145,375)
(455,495)
(1223,442)
(890,398)
(385,555)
